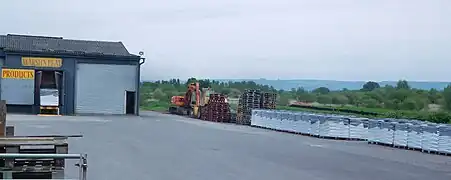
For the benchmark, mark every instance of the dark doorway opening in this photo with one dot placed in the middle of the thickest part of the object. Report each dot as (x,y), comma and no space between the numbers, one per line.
(49,91)
(130,102)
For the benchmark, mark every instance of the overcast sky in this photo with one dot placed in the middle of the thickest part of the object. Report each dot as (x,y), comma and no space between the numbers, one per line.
(273,39)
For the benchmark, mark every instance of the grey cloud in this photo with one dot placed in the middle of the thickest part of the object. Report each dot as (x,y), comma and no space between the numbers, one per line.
(326,39)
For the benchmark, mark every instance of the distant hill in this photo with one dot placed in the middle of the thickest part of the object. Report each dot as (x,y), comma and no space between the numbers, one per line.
(336,85)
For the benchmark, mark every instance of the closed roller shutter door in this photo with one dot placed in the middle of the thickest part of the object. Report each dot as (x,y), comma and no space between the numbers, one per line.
(100,88)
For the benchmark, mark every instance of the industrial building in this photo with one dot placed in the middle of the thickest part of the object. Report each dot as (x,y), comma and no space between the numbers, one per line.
(67,76)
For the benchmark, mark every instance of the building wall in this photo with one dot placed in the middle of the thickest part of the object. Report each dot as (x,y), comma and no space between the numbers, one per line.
(68,67)
(14,61)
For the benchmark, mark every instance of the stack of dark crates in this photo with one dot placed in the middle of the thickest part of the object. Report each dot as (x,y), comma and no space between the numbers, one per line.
(269,100)
(217,109)
(249,100)
(253,99)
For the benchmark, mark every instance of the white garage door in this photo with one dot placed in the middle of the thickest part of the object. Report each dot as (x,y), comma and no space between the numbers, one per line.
(100,88)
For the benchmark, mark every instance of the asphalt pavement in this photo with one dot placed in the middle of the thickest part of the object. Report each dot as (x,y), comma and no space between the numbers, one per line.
(166,147)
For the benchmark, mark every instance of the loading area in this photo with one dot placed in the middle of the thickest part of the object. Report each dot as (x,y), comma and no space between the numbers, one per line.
(56,76)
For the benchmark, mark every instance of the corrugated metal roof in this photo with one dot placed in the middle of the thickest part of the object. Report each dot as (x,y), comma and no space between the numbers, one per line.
(58,45)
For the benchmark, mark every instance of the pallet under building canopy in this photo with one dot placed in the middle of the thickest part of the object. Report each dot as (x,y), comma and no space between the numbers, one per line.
(32,157)
(36,156)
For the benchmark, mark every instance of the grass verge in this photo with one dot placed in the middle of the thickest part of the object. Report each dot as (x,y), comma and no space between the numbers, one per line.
(436,117)
(156,106)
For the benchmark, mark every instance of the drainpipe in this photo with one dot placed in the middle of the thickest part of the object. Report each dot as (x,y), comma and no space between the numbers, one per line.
(138,79)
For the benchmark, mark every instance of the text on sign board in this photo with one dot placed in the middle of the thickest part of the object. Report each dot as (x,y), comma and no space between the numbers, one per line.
(42,62)
(17,74)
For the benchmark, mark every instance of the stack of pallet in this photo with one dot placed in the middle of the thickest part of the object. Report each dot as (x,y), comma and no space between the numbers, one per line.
(217,109)
(250,99)
(268,100)
(33,157)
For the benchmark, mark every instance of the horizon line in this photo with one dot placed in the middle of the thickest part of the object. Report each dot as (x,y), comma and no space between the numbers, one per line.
(253,79)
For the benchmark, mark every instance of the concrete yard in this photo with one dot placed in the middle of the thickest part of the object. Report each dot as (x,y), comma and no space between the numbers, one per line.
(165,147)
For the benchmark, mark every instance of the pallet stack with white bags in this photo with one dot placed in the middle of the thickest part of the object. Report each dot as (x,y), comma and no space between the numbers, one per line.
(406,134)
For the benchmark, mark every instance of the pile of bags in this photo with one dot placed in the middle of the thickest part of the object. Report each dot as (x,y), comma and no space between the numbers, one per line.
(394,132)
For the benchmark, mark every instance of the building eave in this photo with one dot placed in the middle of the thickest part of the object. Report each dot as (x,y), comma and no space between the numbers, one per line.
(130,57)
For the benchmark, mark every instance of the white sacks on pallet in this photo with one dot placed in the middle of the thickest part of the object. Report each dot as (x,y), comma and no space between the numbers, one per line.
(256,118)
(374,131)
(430,137)
(314,125)
(358,128)
(290,123)
(387,132)
(334,126)
(324,126)
(444,140)
(302,125)
(415,136)
(401,134)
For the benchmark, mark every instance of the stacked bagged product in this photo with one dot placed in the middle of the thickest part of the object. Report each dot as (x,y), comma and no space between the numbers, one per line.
(249,100)
(217,109)
(401,134)
(444,140)
(358,128)
(387,131)
(412,134)
(430,138)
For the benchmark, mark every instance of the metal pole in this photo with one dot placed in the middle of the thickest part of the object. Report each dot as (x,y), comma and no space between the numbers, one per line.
(85,167)
(50,136)
(80,168)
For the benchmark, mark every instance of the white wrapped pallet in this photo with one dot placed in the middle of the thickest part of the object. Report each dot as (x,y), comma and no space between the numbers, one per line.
(271,119)
(373,131)
(387,132)
(430,137)
(415,136)
(291,122)
(282,120)
(261,122)
(379,132)
(401,134)
(282,115)
(269,123)
(275,123)
(339,127)
(444,143)
(304,124)
(298,122)
(286,122)
(324,126)
(266,118)
(358,128)
(256,117)
(314,125)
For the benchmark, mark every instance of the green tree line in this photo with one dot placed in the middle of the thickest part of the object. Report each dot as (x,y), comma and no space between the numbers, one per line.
(400,101)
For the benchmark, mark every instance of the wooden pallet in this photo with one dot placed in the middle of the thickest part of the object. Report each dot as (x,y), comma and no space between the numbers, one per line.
(53,167)
(49,110)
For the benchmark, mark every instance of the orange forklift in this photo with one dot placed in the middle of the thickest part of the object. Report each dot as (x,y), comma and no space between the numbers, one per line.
(191,102)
